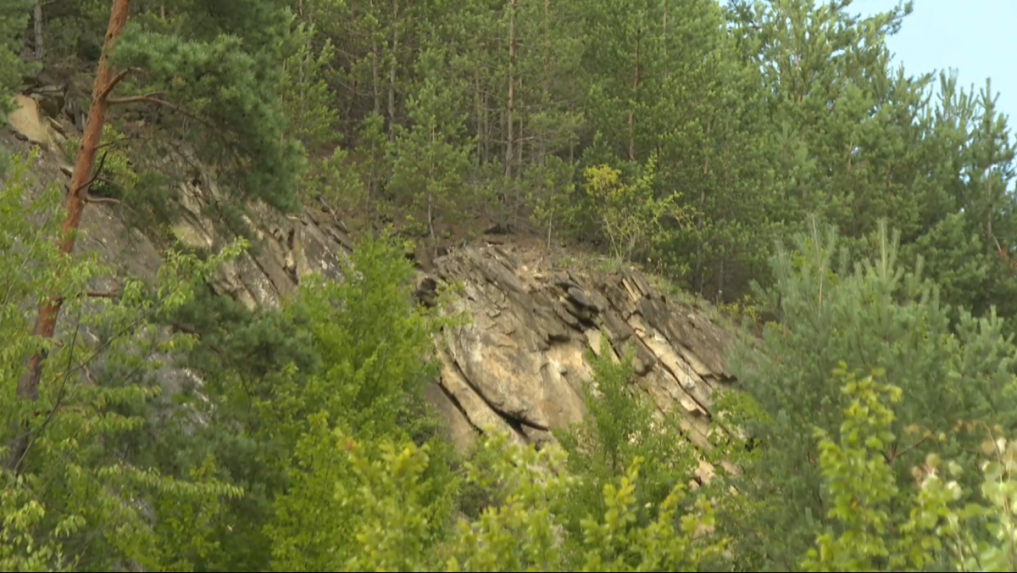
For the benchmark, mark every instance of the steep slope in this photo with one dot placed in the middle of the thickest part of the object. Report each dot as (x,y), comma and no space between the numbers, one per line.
(519,362)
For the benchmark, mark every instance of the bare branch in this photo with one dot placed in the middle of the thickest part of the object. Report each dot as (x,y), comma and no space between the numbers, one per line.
(116,141)
(113,83)
(152,99)
(146,98)
(95,294)
(107,294)
(87,184)
(109,200)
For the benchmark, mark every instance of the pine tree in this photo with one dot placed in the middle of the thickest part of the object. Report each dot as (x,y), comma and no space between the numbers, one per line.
(13,19)
(871,315)
(429,160)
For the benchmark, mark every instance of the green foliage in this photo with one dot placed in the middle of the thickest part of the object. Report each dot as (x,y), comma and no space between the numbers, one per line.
(998,489)
(349,355)
(523,533)
(14,15)
(304,92)
(871,536)
(861,488)
(552,191)
(428,164)
(368,370)
(371,376)
(744,143)
(76,503)
(744,309)
(229,90)
(622,425)
(874,316)
(306,100)
(75,29)
(677,131)
(319,521)
(631,217)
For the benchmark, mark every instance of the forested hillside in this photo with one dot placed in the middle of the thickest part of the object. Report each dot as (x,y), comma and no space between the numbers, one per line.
(765,156)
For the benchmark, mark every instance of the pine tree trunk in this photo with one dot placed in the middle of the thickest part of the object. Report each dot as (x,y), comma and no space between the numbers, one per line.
(40,51)
(701,256)
(989,238)
(300,64)
(487,125)
(667,66)
(520,144)
(519,168)
(572,139)
(546,91)
(547,51)
(632,113)
(509,118)
(550,227)
(478,102)
(392,70)
(430,200)
(77,193)
(374,68)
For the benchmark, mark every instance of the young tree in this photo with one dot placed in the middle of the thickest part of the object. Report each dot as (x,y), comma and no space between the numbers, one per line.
(629,214)
(622,425)
(522,533)
(77,196)
(76,501)
(935,532)
(430,160)
(199,68)
(350,355)
(874,315)
(863,490)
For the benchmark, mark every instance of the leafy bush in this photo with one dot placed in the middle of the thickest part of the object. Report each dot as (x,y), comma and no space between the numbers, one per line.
(630,214)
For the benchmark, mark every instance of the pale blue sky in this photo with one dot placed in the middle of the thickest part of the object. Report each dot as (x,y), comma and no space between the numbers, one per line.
(976,37)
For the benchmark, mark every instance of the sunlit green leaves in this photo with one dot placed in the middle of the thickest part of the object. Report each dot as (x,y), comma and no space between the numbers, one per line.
(77,501)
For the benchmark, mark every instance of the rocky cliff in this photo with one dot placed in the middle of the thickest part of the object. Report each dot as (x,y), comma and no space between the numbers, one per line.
(519,362)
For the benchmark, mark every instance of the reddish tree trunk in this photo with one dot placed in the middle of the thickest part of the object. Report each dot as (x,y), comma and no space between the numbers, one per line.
(77,194)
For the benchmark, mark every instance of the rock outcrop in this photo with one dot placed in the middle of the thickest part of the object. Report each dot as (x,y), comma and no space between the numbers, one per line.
(519,363)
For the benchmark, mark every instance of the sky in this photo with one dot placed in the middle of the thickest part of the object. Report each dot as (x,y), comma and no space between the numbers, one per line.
(972,36)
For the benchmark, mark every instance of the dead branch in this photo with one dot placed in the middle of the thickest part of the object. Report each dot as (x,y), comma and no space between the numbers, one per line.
(146,98)
(87,184)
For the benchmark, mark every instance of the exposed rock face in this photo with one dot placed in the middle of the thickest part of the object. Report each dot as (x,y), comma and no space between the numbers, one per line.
(519,363)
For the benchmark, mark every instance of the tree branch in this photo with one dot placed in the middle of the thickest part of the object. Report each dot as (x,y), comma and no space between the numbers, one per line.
(146,98)
(114,142)
(96,294)
(108,200)
(894,455)
(87,184)
(86,197)
(152,99)
(107,294)
(113,83)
